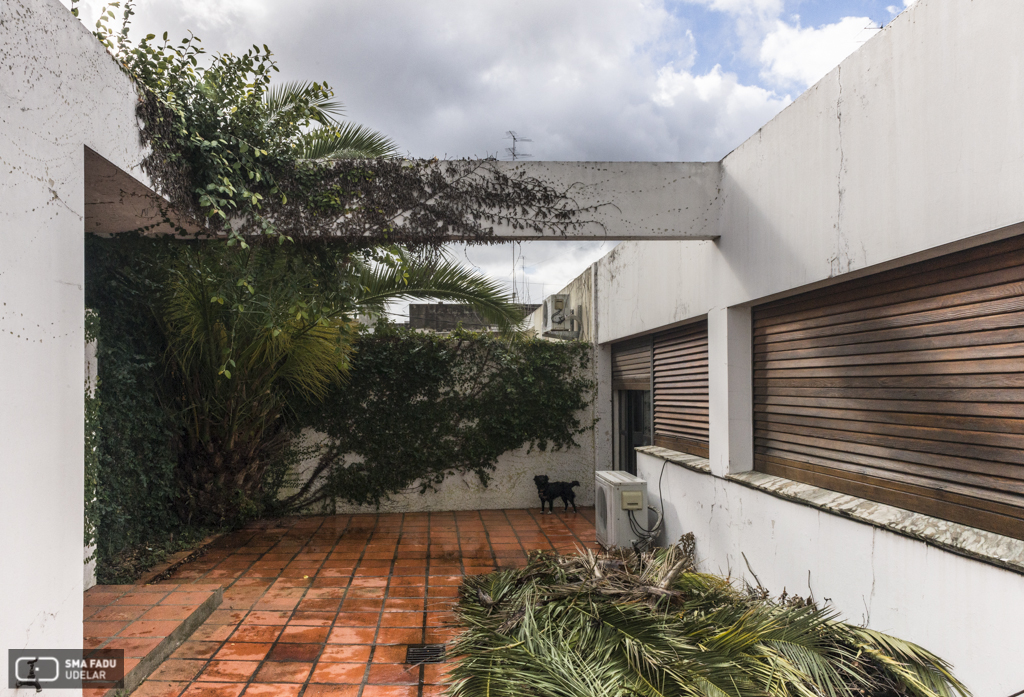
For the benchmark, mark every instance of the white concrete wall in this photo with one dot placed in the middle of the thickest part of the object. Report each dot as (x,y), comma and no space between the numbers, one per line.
(59,92)
(630,200)
(968,612)
(911,148)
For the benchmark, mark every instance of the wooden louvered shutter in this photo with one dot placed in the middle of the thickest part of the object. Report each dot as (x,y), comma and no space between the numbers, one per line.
(631,364)
(681,389)
(905,387)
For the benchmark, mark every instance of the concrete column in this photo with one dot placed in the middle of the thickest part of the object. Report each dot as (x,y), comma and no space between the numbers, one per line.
(604,453)
(730,372)
(604,446)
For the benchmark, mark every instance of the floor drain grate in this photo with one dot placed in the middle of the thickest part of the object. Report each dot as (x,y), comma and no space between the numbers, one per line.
(425,653)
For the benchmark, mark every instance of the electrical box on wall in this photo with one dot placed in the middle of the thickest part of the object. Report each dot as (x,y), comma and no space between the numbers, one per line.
(632,500)
(556,310)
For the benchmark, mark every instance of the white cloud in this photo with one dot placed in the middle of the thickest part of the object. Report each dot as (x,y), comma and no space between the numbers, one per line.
(795,56)
(896,9)
(766,8)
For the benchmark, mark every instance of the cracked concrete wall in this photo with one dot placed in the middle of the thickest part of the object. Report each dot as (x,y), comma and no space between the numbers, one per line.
(59,92)
(968,612)
(631,200)
(910,149)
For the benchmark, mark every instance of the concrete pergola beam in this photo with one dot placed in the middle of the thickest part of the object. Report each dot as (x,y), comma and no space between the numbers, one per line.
(633,200)
(622,200)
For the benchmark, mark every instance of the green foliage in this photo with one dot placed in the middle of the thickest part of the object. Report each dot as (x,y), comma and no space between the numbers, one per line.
(418,407)
(244,329)
(91,465)
(622,624)
(218,340)
(222,136)
(92,438)
(135,462)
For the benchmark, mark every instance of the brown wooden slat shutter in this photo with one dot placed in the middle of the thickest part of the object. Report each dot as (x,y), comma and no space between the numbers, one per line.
(631,364)
(681,389)
(905,387)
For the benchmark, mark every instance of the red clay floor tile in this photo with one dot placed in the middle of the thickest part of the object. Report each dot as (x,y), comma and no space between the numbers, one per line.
(339,673)
(283,672)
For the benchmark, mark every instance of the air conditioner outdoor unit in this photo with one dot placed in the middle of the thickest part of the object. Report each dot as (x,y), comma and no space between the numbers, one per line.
(559,319)
(618,494)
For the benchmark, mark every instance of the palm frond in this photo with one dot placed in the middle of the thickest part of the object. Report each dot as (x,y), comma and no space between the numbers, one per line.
(278,99)
(603,624)
(345,141)
(442,278)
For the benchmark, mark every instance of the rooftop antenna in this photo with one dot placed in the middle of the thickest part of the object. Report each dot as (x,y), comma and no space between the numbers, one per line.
(514,152)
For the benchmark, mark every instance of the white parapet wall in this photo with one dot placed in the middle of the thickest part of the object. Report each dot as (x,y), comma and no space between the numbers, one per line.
(60,92)
(968,612)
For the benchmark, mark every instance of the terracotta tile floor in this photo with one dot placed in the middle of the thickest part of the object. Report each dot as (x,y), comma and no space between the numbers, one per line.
(139,619)
(326,606)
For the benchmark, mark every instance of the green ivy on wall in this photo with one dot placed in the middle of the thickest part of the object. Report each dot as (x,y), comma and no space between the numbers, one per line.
(92,439)
(134,461)
(418,407)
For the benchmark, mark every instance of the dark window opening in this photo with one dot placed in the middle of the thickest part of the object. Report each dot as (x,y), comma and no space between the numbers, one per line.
(634,426)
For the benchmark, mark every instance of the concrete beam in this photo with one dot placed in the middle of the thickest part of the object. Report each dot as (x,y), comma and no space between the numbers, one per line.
(633,200)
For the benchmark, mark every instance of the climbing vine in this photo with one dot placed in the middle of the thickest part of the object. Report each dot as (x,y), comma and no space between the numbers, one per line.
(92,437)
(130,453)
(419,407)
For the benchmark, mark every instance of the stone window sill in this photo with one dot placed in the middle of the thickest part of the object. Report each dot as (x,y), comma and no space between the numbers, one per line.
(691,462)
(988,547)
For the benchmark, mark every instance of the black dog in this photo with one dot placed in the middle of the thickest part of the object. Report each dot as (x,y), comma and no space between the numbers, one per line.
(549,491)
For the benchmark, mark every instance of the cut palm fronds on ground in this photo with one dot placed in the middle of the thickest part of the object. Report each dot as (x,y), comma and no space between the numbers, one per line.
(612,625)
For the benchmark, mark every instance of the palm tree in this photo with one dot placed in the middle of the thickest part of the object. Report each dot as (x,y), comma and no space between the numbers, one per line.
(248,329)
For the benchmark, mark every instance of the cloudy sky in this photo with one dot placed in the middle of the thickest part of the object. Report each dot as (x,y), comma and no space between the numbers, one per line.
(666,80)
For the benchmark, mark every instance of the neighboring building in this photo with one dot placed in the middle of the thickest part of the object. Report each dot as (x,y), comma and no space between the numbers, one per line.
(446,317)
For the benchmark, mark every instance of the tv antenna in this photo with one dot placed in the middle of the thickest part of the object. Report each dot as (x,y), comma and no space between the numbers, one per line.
(514,151)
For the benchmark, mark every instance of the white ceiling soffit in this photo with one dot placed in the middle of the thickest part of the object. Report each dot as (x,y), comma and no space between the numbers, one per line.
(116,202)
